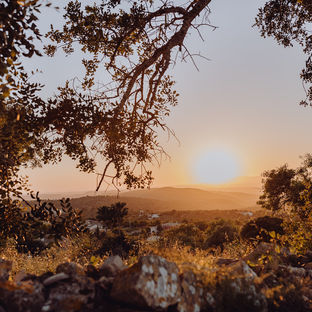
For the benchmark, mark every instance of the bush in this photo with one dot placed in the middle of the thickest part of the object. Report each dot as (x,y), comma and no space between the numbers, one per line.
(113,215)
(185,235)
(220,232)
(40,225)
(258,229)
(117,242)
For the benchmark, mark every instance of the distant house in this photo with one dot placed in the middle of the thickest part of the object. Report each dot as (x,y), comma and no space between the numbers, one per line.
(170,225)
(153,238)
(93,226)
(153,229)
(153,216)
(247,213)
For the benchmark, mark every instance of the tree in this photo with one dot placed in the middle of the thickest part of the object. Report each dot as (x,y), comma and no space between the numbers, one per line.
(134,44)
(288,22)
(113,215)
(289,189)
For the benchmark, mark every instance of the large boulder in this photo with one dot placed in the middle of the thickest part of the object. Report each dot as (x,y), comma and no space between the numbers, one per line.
(69,293)
(237,292)
(25,296)
(193,297)
(151,283)
(190,293)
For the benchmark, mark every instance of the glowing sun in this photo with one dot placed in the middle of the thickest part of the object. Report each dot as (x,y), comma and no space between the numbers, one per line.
(216,166)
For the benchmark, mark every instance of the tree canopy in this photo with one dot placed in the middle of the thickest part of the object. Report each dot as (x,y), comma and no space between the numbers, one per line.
(289,23)
(289,189)
(114,122)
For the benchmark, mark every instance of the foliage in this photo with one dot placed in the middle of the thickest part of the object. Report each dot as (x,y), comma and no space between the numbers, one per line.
(220,232)
(297,236)
(134,44)
(36,226)
(185,235)
(112,216)
(117,242)
(291,189)
(288,21)
(259,228)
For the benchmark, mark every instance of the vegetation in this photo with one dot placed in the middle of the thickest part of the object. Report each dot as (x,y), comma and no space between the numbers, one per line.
(112,216)
(259,229)
(134,45)
(289,190)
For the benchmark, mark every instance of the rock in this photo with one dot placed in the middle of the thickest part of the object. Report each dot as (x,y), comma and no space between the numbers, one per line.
(236,291)
(102,289)
(105,283)
(190,293)
(26,296)
(193,296)
(112,266)
(242,270)
(151,283)
(55,279)
(268,251)
(307,257)
(308,266)
(92,271)
(223,261)
(70,268)
(5,269)
(262,249)
(289,271)
(76,294)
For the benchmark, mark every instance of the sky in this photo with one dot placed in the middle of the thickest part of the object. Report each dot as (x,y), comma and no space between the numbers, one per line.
(243,101)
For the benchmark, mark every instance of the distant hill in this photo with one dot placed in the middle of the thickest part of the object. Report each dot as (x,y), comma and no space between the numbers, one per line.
(191,198)
(170,198)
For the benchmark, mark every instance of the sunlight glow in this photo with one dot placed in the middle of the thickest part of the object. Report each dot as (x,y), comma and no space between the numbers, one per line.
(216,166)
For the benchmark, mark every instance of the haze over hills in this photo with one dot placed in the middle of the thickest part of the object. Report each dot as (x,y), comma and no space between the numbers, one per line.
(250,185)
(196,199)
(239,195)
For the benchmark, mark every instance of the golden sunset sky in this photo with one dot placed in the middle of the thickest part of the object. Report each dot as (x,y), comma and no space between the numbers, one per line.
(244,102)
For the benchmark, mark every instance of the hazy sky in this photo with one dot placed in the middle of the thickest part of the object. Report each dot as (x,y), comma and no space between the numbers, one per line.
(243,101)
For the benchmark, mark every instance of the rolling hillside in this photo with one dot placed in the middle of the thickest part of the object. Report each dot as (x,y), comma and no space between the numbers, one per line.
(170,198)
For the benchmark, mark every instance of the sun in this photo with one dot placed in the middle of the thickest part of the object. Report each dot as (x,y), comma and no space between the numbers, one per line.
(216,166)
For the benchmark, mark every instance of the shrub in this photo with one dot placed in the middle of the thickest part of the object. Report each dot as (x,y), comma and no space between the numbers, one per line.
(258,229)
(117,242)
(185,235)
(113,215)
(40,225)
(220,232)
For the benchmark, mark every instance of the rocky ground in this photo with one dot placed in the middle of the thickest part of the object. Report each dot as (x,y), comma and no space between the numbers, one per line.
(277,282)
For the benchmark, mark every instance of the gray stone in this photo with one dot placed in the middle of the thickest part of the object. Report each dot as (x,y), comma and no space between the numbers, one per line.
(224,261)
(153,283)
(55,279)
(26,296)
(112,266)
(241,269)
(191,293)
(70,268)
(73,296)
